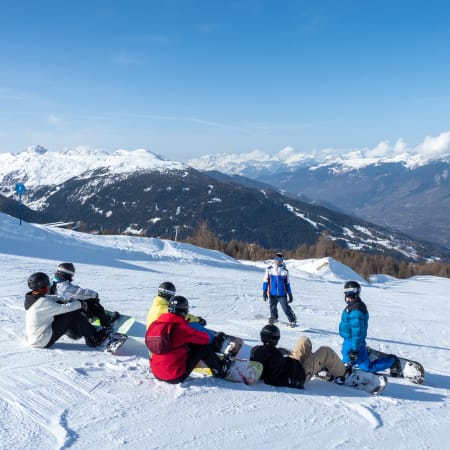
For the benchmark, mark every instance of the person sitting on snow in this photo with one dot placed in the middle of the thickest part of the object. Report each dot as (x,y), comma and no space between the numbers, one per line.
(187,346)
(353,328)
(166,291)
(48,317)
(295,368)
(62,286)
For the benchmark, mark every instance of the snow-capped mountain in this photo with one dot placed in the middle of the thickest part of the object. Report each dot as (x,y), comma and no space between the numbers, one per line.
(258,164)
(395,187)
(138,192)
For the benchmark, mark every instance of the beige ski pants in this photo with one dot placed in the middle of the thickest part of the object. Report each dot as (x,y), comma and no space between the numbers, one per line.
(323,358)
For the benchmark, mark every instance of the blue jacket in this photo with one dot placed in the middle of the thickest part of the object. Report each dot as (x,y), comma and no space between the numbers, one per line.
(276,281)
(354,324)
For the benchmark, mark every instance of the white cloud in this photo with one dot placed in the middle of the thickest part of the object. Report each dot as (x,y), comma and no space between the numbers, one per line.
(433,147)
(52,118)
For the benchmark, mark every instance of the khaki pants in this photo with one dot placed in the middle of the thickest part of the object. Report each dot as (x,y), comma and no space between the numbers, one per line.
(323,358)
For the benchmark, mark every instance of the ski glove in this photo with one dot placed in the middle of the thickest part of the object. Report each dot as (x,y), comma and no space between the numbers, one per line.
(265,296)
(291,299)
(353,355)
(201,321)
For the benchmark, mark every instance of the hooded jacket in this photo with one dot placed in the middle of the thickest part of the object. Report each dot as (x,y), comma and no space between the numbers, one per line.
(354,324)
(172,365)
(39,313)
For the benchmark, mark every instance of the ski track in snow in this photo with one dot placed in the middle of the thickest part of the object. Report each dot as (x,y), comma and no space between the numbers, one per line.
(71,396)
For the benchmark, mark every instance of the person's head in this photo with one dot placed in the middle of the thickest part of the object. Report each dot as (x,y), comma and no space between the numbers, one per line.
(178,305)
(65,271)
(39,282)
(270,335)
(279,259)
(352,289)
(167,290)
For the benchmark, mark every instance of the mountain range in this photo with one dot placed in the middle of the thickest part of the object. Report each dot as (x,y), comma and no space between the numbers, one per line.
(139,192)
(409,193)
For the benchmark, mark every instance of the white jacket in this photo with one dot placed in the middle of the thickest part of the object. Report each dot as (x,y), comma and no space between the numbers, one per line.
(39,318)
(70,291)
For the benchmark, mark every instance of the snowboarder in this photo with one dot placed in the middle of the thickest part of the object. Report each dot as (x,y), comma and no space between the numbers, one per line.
(277,288)
(48,317)
(187,345)
(295,368)
(166,291)
(353,328)
(62,286)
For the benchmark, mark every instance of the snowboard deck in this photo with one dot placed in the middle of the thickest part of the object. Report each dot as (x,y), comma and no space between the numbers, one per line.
(241,371)
(117,338)
(372,383)
(283,322)
(410,370)
(231,345)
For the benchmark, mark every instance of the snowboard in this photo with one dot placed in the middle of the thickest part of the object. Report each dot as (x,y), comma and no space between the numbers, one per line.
(231,345)
(241,371)
(118,333)
(410,370)
(283,322)
(372,383)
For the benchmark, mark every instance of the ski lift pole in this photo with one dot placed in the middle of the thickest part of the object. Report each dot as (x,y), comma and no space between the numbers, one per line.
(20,189)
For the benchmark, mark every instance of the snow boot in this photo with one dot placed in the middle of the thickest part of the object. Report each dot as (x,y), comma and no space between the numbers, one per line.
(396,368)
(100,336)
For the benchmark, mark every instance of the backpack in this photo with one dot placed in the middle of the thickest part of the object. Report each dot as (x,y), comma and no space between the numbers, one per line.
(157,338)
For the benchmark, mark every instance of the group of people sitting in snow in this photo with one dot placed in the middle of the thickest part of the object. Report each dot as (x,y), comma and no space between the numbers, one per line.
(60,307)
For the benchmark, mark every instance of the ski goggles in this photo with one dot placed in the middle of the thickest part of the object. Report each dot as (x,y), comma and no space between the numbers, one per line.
(351,292)
(278,259)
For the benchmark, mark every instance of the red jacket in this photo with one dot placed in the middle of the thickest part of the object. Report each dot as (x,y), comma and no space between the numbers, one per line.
(172,365)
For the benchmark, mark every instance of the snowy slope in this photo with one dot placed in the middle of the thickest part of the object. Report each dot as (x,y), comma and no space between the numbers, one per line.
(72,396)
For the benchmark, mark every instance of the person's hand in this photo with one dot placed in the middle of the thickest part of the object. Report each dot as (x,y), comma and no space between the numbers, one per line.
(353,355)
(201,321)
(265,296)
(290,298)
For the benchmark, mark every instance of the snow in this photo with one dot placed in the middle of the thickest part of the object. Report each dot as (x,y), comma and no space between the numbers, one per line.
(72,396)
(38,166)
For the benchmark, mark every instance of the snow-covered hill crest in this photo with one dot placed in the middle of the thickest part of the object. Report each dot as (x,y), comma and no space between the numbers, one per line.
(74,397)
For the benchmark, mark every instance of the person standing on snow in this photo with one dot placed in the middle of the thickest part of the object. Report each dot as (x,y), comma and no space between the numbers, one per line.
(186,348)
(295,368)
(353,328)
(166,291)
(277,288)
(62,286)
(48,317)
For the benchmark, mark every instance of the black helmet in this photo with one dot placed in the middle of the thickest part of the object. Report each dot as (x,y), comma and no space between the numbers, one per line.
(270,334)
(38,280)
(167,290)
(65,271)
(352,289)
(279,258)
(179,305)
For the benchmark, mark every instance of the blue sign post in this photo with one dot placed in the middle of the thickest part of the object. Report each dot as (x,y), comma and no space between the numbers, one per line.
(20,189)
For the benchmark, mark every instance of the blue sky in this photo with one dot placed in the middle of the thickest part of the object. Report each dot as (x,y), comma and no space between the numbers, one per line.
(187,78)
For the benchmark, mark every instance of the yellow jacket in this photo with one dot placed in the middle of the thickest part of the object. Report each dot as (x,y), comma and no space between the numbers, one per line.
(160,306)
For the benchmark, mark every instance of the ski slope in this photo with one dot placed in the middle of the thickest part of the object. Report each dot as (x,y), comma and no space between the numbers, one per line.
(72,396)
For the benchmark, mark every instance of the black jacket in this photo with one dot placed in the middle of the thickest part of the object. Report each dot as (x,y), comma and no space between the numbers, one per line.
(279,368)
